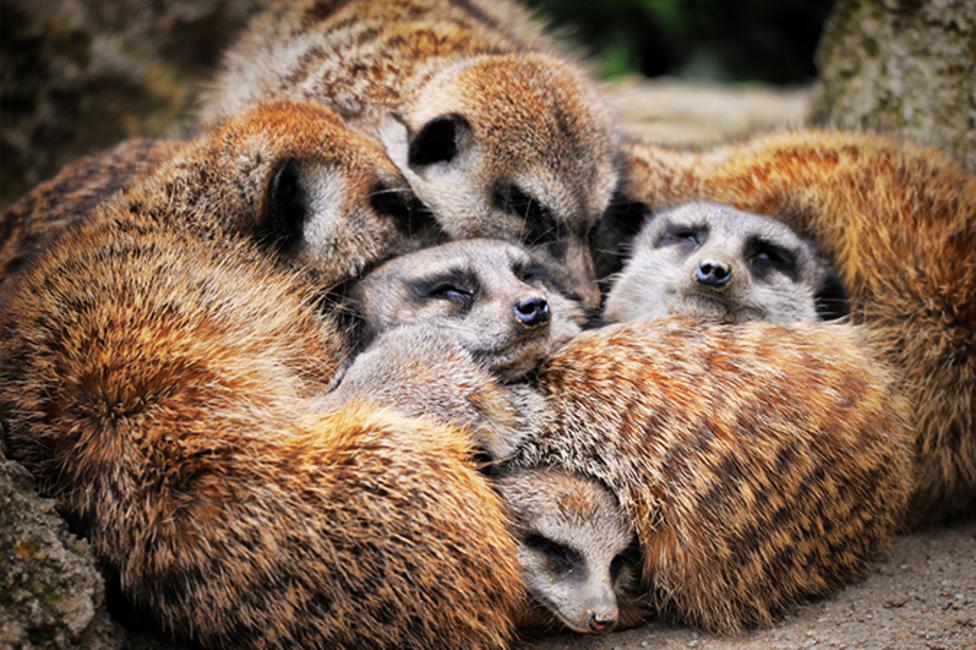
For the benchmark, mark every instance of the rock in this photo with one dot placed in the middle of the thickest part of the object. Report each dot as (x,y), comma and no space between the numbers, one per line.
(78,76)
(902,67)
(51,592)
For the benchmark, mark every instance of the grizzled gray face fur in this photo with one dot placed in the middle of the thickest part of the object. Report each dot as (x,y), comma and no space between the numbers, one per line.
(490,295)
(712,261)
(577,550)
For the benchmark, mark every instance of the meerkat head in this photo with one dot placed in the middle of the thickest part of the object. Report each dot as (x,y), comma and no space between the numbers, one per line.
(513,147)
(323,196)
(577,550)
(492,295)
(713,261)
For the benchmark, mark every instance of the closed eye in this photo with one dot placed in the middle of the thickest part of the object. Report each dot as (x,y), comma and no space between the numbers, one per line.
(677,234)
(561,558)
(764,256)
(452,293)
(458,287)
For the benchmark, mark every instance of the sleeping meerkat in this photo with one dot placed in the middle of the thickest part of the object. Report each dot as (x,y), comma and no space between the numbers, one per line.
(450,331)
(577,549)
(495,131)
(492,295)
(714,261)
(443,326)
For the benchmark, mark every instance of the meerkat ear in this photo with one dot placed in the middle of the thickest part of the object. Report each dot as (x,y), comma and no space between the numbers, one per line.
(831,299)
(439,140)
(409,214)
(621,222)
(286,207)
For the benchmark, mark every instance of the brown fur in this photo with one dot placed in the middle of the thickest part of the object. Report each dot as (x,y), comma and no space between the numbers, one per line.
(747,492)
(156,374)
(31,224)
(899,222)
(524,151)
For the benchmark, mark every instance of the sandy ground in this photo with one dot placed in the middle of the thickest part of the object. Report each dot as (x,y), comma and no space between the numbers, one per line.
(922,596)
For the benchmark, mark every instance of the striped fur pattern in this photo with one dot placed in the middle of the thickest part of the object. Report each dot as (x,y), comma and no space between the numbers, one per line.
(32,223)
(497,134)
(761,464)
(157,370)
(899,223)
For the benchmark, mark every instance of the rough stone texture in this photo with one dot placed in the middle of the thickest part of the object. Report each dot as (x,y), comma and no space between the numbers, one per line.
(51,593)
(80,75)
(904,67)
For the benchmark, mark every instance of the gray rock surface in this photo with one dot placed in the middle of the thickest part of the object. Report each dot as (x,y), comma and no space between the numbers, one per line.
(903,67)
(51,593)
(80,75)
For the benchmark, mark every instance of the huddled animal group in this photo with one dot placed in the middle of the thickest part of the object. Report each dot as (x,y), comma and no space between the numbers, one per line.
(409,348)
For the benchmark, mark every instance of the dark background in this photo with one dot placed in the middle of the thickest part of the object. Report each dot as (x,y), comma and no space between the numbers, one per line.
(747,40)
(77,76)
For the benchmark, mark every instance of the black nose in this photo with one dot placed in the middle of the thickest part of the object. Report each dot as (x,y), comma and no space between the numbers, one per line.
(601,623)
(714,274)
(532,312)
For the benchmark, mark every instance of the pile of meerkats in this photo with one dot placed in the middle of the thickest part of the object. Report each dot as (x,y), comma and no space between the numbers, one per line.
(409,348)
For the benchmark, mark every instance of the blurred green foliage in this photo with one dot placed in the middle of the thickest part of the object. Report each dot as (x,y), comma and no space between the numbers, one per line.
(750,40)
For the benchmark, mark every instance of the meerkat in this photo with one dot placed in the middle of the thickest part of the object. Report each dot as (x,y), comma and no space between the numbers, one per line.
(479,316)
(577,550)
(159,362)
(496,132)
(760,464)
(31,223)
(475,313)
(493,295)
(708,260)
(899,223)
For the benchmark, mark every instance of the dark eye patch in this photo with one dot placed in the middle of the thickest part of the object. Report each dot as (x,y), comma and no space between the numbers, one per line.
(529,272)
(459,286)
(678,234)
(561,558)
(541,225)
(764,256)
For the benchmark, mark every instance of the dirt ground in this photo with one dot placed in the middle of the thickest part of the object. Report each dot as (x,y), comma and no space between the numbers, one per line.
(922,596)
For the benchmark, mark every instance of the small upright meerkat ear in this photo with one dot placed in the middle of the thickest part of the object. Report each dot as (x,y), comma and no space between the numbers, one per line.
(409,214)
(440,140)
(286,208)
(831,300)
(610,239)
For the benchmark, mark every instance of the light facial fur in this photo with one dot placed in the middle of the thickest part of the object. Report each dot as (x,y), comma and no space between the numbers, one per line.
(716,262)
(495,131)
(492,296)
(576,548)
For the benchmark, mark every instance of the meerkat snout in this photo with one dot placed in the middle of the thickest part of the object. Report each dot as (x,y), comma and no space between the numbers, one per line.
(532,312)
(713,273)
(603,616)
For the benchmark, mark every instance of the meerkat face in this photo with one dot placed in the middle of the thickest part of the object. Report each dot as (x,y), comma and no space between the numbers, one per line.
(491,294)
(577,550)
(325,197)
(514,148)
(713,261)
